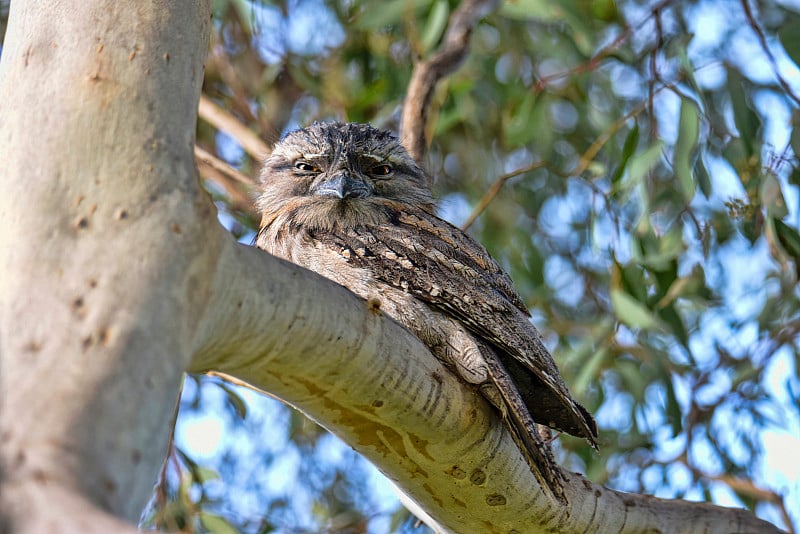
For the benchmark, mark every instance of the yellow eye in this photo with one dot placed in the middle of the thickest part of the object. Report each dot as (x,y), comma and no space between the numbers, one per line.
(381,170)
(305,167)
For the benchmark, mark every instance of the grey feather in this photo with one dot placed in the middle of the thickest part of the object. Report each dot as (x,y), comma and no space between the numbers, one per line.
(384,240)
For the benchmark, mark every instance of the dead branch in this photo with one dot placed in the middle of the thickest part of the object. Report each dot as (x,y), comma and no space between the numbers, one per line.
(229,180)
(428,73)
(224,121)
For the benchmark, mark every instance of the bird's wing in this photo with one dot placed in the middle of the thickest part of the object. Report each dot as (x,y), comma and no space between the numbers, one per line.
(443,266)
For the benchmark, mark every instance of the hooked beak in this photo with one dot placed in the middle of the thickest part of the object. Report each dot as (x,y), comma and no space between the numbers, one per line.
(343,186)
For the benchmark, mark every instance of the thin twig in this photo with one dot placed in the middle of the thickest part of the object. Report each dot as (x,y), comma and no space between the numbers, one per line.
(217,171)
(428,73)
(210,159)
(586,158)
(592,63)
(763,41)
(746,487)
(651,84)
(495,188)
(224,121)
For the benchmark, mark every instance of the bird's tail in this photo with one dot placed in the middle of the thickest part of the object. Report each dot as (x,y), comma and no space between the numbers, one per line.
(525,431)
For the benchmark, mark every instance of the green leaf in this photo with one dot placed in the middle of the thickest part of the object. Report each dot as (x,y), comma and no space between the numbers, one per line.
(678,46)
(747,121)
(588,357)
(247,14)
(569,12)
(794,139)
(789,35)
(518,127)
(703,179)
(788,238)
(635,382)
(665,277)
(217,524)
(657,252)
(435,25)
(633,281)
(543,10)
(642,163)
(588,373)
(628,148)
(772,197)
(605,10)
(377,15)
(204,474)
(235,401)
(794,176)
(630,311)
(672,409)
(685,147)
(674,324)
(190,464)
(692,286)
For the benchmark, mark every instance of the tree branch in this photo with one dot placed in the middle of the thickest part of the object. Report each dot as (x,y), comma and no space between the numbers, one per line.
(229,179)
(762,40)
(371,382)
(428,73)
(226,122)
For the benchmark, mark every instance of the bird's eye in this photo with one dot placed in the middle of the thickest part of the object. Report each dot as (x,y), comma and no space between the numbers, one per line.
(305,167)
(381,170)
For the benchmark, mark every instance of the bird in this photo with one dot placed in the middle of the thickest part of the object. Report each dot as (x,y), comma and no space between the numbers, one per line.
(347,201)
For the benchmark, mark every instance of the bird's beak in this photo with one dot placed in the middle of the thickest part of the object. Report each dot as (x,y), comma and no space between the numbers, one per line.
(343,186)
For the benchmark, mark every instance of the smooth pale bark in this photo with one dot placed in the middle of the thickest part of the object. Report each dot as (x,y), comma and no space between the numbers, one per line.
(115,277)
(105,265)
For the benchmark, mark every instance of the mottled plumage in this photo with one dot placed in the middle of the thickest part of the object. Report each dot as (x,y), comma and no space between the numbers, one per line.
(346,201)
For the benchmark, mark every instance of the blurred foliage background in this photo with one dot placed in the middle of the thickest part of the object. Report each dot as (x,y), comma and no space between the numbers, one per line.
(633,165)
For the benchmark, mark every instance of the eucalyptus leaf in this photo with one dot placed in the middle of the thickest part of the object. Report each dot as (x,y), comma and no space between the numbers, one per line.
(630,311)
(532,10)
(204,474)
(794,138)
(789,35)
(435,25)
(747,120)
(377,15)
(789,238)
(685,147)
(628,148)
(234,400)
(703,179)
(671,320)
(590,370)
(642,163)
(772,197)
(673,408)
(217,524)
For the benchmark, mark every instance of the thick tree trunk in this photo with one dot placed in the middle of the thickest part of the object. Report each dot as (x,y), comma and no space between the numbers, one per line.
(105,262)
(115,277)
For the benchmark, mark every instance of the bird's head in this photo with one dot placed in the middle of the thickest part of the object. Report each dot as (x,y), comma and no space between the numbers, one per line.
(334,175)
